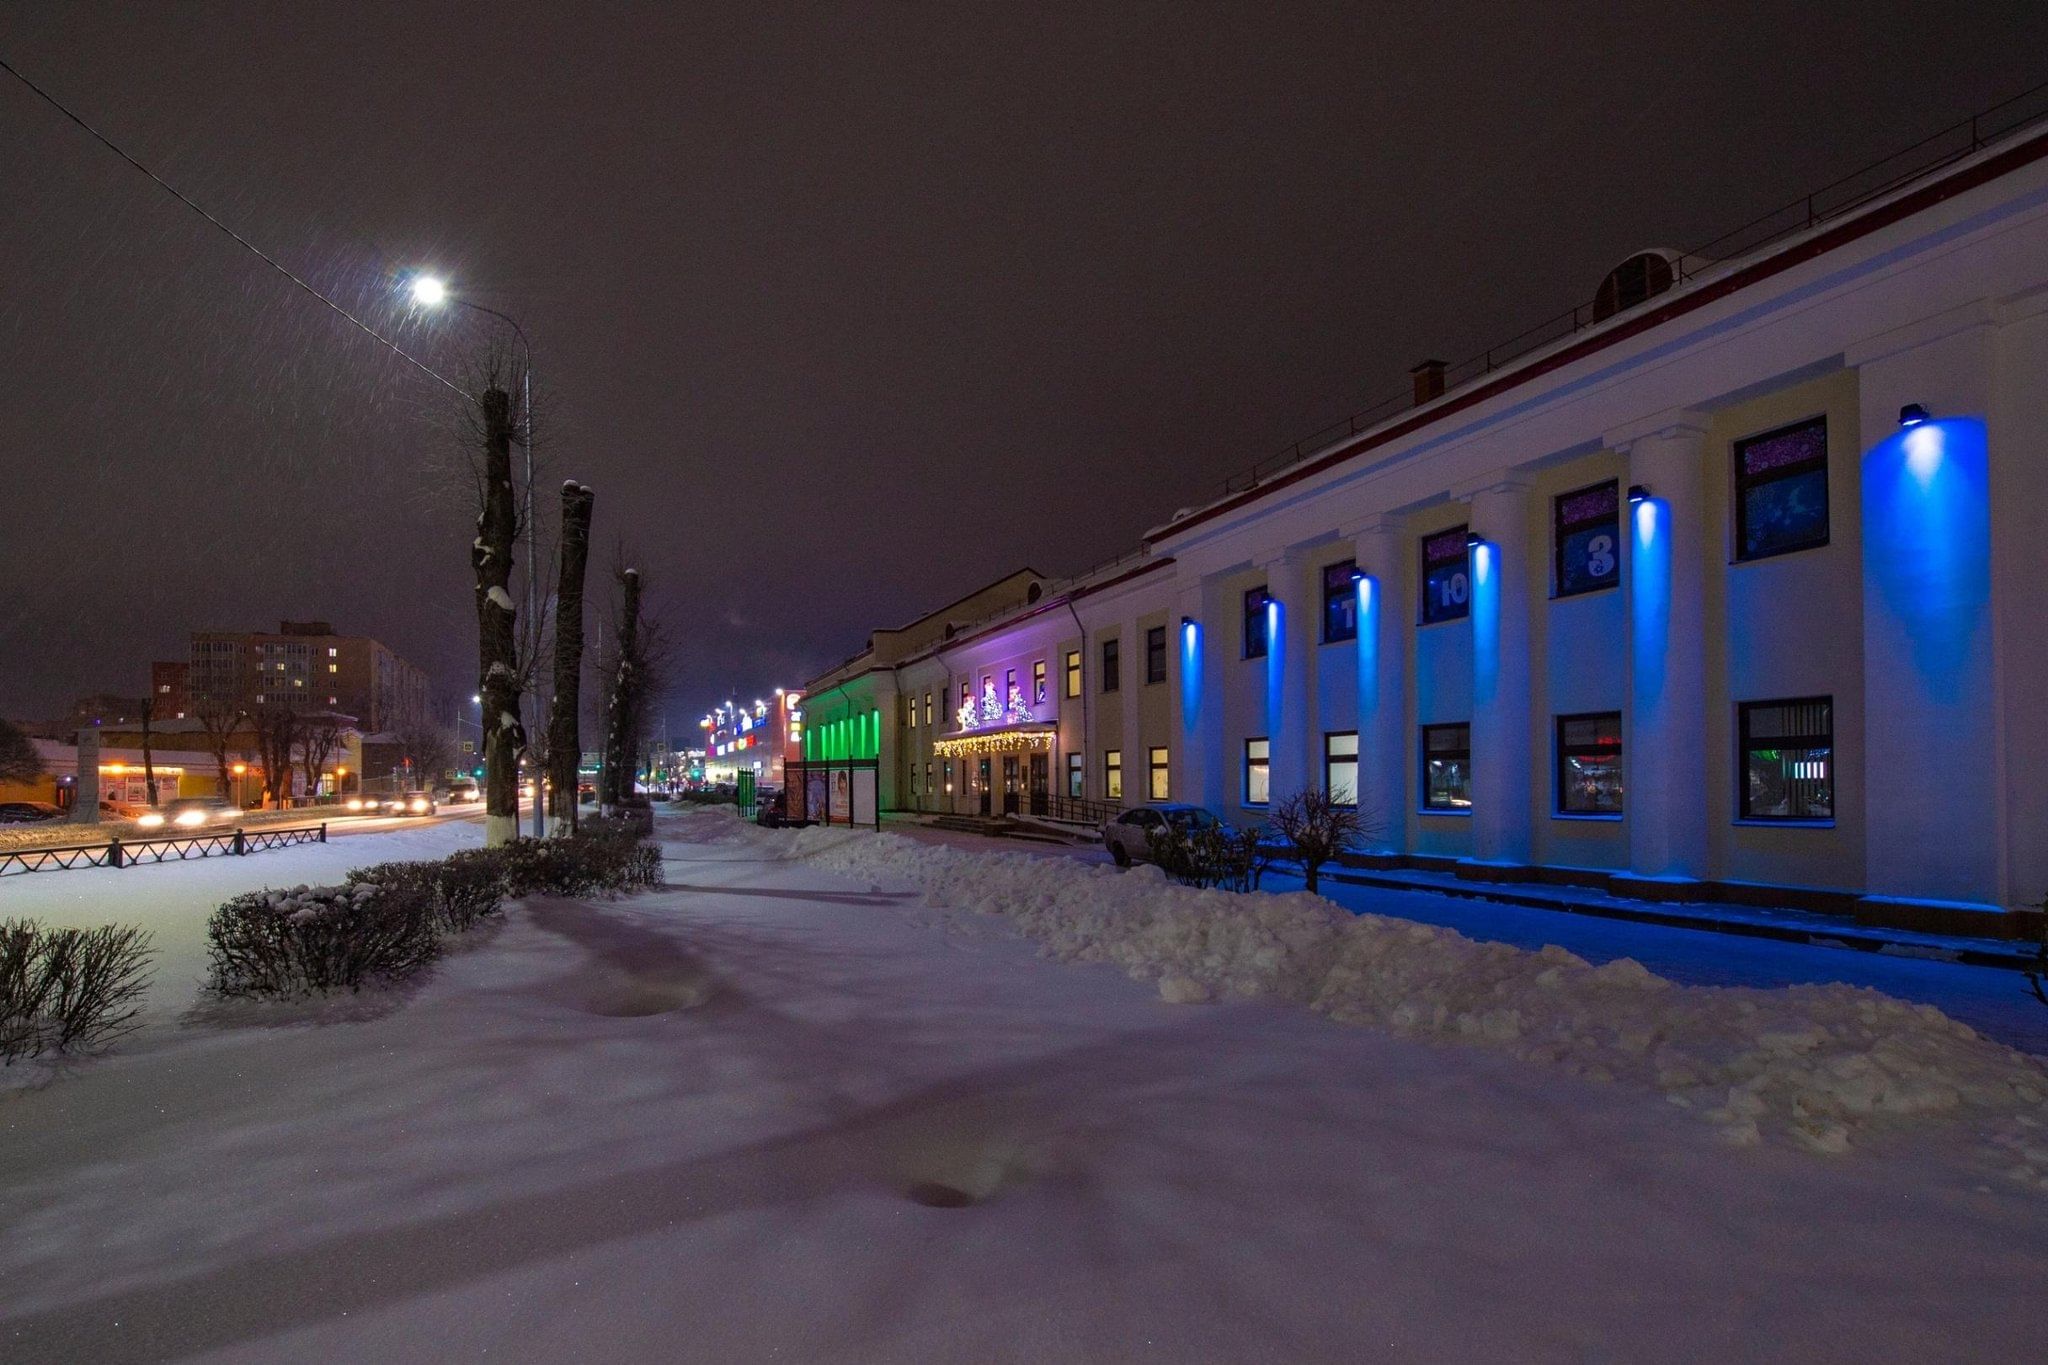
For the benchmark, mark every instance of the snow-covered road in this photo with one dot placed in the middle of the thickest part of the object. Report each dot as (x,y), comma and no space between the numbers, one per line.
(696,1125)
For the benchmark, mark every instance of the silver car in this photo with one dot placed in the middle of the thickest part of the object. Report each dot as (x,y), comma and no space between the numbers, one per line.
(1127,836)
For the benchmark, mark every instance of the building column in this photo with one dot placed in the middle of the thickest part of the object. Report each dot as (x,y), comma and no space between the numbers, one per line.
(1930,743)
(889,748)
(1130,667)
(1501,760)
(1194,672)
(1664,575)
(1383,747)
(1289,724)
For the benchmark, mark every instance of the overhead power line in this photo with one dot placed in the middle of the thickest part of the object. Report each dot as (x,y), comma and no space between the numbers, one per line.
(237,237)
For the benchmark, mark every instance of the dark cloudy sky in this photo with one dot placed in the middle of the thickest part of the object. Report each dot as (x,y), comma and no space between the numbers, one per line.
(841,309)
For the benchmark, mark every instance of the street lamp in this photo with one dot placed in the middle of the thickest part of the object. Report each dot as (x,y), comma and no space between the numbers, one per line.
(431,291)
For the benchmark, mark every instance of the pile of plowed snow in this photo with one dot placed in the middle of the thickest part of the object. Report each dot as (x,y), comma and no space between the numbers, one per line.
(1821,1065)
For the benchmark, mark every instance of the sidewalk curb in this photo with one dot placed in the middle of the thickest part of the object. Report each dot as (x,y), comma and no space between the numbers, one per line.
(1855,937)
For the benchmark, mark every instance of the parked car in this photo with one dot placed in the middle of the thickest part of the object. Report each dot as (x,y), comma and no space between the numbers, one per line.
(29,812)
(191,812)
(1126,835)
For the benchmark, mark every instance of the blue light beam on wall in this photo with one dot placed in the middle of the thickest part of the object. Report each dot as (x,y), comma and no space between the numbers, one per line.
(1368,649)
(1190,675)
(1485,623)
(1926,544)
(1276,668)
(1649,600)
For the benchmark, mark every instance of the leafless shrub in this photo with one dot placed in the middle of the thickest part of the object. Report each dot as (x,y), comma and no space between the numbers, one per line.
(68,990)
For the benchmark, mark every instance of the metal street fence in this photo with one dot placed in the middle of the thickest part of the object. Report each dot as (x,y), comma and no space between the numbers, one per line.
(163,849)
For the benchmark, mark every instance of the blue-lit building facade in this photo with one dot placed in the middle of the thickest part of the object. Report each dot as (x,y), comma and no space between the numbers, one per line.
(1738,591)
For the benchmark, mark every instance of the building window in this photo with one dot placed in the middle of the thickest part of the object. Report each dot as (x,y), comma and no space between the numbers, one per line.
(927,713)
(967,701)
(1073,673)
(1788,759)
(1160,785)
(1038,683)
(1589,764)
(1586,534)
(1155,655)
(1781,490)
(1447,767)
(1113,774)
(1446,577)
(912,704)
(1112,663)
(929,789)
(1074,775)
(1340,602)
(1256,621)
(1340,766)
(949,777)
(1258,771)
(1010,693)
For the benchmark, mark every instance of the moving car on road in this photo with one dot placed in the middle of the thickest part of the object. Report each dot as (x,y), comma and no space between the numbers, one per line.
(191,812)
(1126,835)
(462,792)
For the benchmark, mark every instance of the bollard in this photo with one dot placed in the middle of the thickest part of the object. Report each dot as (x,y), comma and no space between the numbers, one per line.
(241,845)
(113,853)
(323,831)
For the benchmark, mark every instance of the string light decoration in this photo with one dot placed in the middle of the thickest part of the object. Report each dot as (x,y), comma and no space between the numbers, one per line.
(1008,739)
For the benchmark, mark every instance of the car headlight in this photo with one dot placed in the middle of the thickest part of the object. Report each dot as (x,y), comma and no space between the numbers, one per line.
(150,820)
(419,805)
(189,818)
(355,803)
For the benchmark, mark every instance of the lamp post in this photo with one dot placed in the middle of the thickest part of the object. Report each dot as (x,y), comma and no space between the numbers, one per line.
(430,291)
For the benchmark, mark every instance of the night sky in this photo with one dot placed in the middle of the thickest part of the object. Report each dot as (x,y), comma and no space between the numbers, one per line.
(842,310)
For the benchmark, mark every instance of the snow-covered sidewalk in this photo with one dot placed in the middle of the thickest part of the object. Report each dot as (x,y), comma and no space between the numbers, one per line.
(716,1123)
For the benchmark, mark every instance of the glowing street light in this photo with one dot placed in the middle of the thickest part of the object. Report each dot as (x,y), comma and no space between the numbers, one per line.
(429,291)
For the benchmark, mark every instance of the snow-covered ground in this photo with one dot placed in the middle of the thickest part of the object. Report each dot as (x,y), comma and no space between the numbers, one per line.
(697,1125)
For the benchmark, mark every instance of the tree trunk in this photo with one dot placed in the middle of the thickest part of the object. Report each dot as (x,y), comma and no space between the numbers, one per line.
(565,742)
(149,748)
(620,710)
(497,651)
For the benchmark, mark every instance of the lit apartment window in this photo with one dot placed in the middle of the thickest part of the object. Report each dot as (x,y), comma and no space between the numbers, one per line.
(911,705)
(1156,765)
(333,653)
(1155,655)
(1112,664)
(1074,775)
(1258,771)
(1113,774)
(1788,759)
(334,668)
(1010,693)
(927,709)
(1447,767)
(1589,764)
(1038,683)
(1586,534)
(1340,766)
(1340,602)
(1256,620)
(1781,490)
(1446,577)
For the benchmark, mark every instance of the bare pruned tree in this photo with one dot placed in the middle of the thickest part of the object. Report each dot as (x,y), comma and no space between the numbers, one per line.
(220,721)
(277,737)
(19,761)
(635,662)
(320,734)
(428,749)
(564,740)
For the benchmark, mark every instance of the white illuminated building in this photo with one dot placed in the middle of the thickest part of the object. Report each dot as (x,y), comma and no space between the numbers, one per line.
(1738,591)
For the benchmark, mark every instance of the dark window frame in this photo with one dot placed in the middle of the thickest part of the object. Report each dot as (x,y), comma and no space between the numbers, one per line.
(1331,759)
(1426,753)
(1562,531)
(1340,592)
(1565,751)
(1077,774)
(1112,665)
(1258,623)
(1745,483)
(1264,764)
(1745,746)
(1444,615)
(1155,653)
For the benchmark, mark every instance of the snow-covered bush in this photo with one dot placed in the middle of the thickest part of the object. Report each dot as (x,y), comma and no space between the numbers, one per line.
(465,888)
(68,990)
(1313,828)
(604,857)
(320,938)
(1214,855)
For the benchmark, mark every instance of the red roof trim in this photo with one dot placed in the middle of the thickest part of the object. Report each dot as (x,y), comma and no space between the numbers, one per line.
(2011,159)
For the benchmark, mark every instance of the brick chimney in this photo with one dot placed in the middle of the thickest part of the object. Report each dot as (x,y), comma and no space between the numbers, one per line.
(1429,381)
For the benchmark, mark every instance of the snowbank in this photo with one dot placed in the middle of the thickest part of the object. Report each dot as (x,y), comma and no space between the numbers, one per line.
(1822,1065)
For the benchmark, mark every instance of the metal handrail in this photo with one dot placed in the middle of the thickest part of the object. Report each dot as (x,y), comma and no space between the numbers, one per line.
(118,852)
(1831,201)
